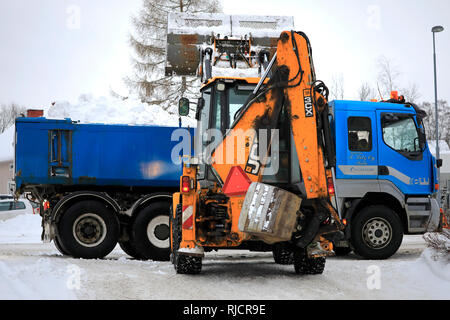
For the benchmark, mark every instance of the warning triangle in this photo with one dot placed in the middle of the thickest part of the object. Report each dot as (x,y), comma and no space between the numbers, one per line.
(237,182)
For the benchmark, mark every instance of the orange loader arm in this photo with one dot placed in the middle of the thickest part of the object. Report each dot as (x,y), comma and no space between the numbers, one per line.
(291,87)
(294,87)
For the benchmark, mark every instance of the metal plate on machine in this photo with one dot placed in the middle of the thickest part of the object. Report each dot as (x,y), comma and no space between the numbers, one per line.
(269,213)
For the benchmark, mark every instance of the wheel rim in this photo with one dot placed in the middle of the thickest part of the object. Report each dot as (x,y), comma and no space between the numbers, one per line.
(89,230)
(377,233)
(158,232)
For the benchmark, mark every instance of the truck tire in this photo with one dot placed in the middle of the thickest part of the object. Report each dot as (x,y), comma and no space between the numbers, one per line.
(150,233)
(128,248)
(377,232)
(282,253)
(88,230)
(59,247)
(183,264)
(305,265)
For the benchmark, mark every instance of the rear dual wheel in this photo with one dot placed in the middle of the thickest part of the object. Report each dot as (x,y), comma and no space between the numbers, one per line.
(148,234)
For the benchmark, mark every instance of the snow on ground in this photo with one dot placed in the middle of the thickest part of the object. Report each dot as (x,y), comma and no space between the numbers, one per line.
(25,228)
(39,271)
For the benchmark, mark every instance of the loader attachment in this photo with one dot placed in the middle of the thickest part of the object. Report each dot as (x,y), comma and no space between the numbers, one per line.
(199,44)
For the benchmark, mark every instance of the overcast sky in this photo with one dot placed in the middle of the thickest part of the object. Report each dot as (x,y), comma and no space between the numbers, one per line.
(58,49)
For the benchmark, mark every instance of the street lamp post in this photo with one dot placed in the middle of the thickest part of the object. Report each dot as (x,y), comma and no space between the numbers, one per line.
(435,30)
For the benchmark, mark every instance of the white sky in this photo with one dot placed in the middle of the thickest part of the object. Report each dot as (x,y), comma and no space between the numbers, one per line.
(48,54)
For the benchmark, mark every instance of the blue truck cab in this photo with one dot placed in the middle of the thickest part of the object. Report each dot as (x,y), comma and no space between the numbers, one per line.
(385,175)
(99,185)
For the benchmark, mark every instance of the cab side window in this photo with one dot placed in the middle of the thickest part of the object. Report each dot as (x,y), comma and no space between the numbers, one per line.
(359,134)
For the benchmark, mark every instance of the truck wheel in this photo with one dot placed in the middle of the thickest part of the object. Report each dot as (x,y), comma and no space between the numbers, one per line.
(59,247)
(183,264)
(282,253)
(377,232)
(88,230)
(305,265)
(150,234)
(128,248)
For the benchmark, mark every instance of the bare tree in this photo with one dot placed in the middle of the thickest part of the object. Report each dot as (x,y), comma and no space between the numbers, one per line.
(388,74)
(337,87)
(411,93)
(365,92)
(149,44)
(443,120)
(8,115)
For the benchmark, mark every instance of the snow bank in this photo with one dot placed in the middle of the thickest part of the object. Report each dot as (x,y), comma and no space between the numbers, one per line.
(90,109)
(39,280)
(437,255)
(25,228)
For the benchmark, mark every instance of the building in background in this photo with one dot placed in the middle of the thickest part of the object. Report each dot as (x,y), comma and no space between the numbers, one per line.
(6,159)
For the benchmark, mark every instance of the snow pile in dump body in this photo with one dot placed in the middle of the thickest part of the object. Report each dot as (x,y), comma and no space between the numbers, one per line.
(25,228)
(38,279)
(132,111)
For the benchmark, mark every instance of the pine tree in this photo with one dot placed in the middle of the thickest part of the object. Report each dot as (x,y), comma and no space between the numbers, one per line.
(149,44)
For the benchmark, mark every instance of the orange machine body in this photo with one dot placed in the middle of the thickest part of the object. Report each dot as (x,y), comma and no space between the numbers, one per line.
(297,96)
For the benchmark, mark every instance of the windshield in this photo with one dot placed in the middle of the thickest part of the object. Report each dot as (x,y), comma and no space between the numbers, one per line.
(237,97)
(400,133)
(218,112)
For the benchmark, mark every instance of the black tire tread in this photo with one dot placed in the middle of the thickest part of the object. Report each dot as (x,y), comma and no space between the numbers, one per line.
(182,264)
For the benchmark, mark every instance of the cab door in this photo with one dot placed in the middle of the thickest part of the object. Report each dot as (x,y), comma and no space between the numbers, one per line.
(356,147)
(401,157)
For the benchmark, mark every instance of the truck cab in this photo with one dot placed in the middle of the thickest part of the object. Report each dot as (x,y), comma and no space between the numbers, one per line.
(386,176)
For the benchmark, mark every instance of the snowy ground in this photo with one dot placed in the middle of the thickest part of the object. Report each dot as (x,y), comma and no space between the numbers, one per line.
(31,270)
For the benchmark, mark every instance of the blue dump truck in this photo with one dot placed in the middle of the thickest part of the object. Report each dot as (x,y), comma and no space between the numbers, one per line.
(98,185)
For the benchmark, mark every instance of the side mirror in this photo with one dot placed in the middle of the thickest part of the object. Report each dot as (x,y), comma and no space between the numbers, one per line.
(183,107)
(422,139)
(438,163)
(200,105)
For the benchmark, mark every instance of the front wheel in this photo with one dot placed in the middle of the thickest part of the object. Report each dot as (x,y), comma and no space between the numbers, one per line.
(282,253)
(305,265)
(377,232)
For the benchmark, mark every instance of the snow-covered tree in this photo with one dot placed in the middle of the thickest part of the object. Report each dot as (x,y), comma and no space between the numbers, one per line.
(149,43)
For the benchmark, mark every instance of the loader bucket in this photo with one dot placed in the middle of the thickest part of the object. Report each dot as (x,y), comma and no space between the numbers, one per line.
(189,35)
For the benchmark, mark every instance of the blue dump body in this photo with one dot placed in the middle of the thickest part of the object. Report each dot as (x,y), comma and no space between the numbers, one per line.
(380,141)
(67,153)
